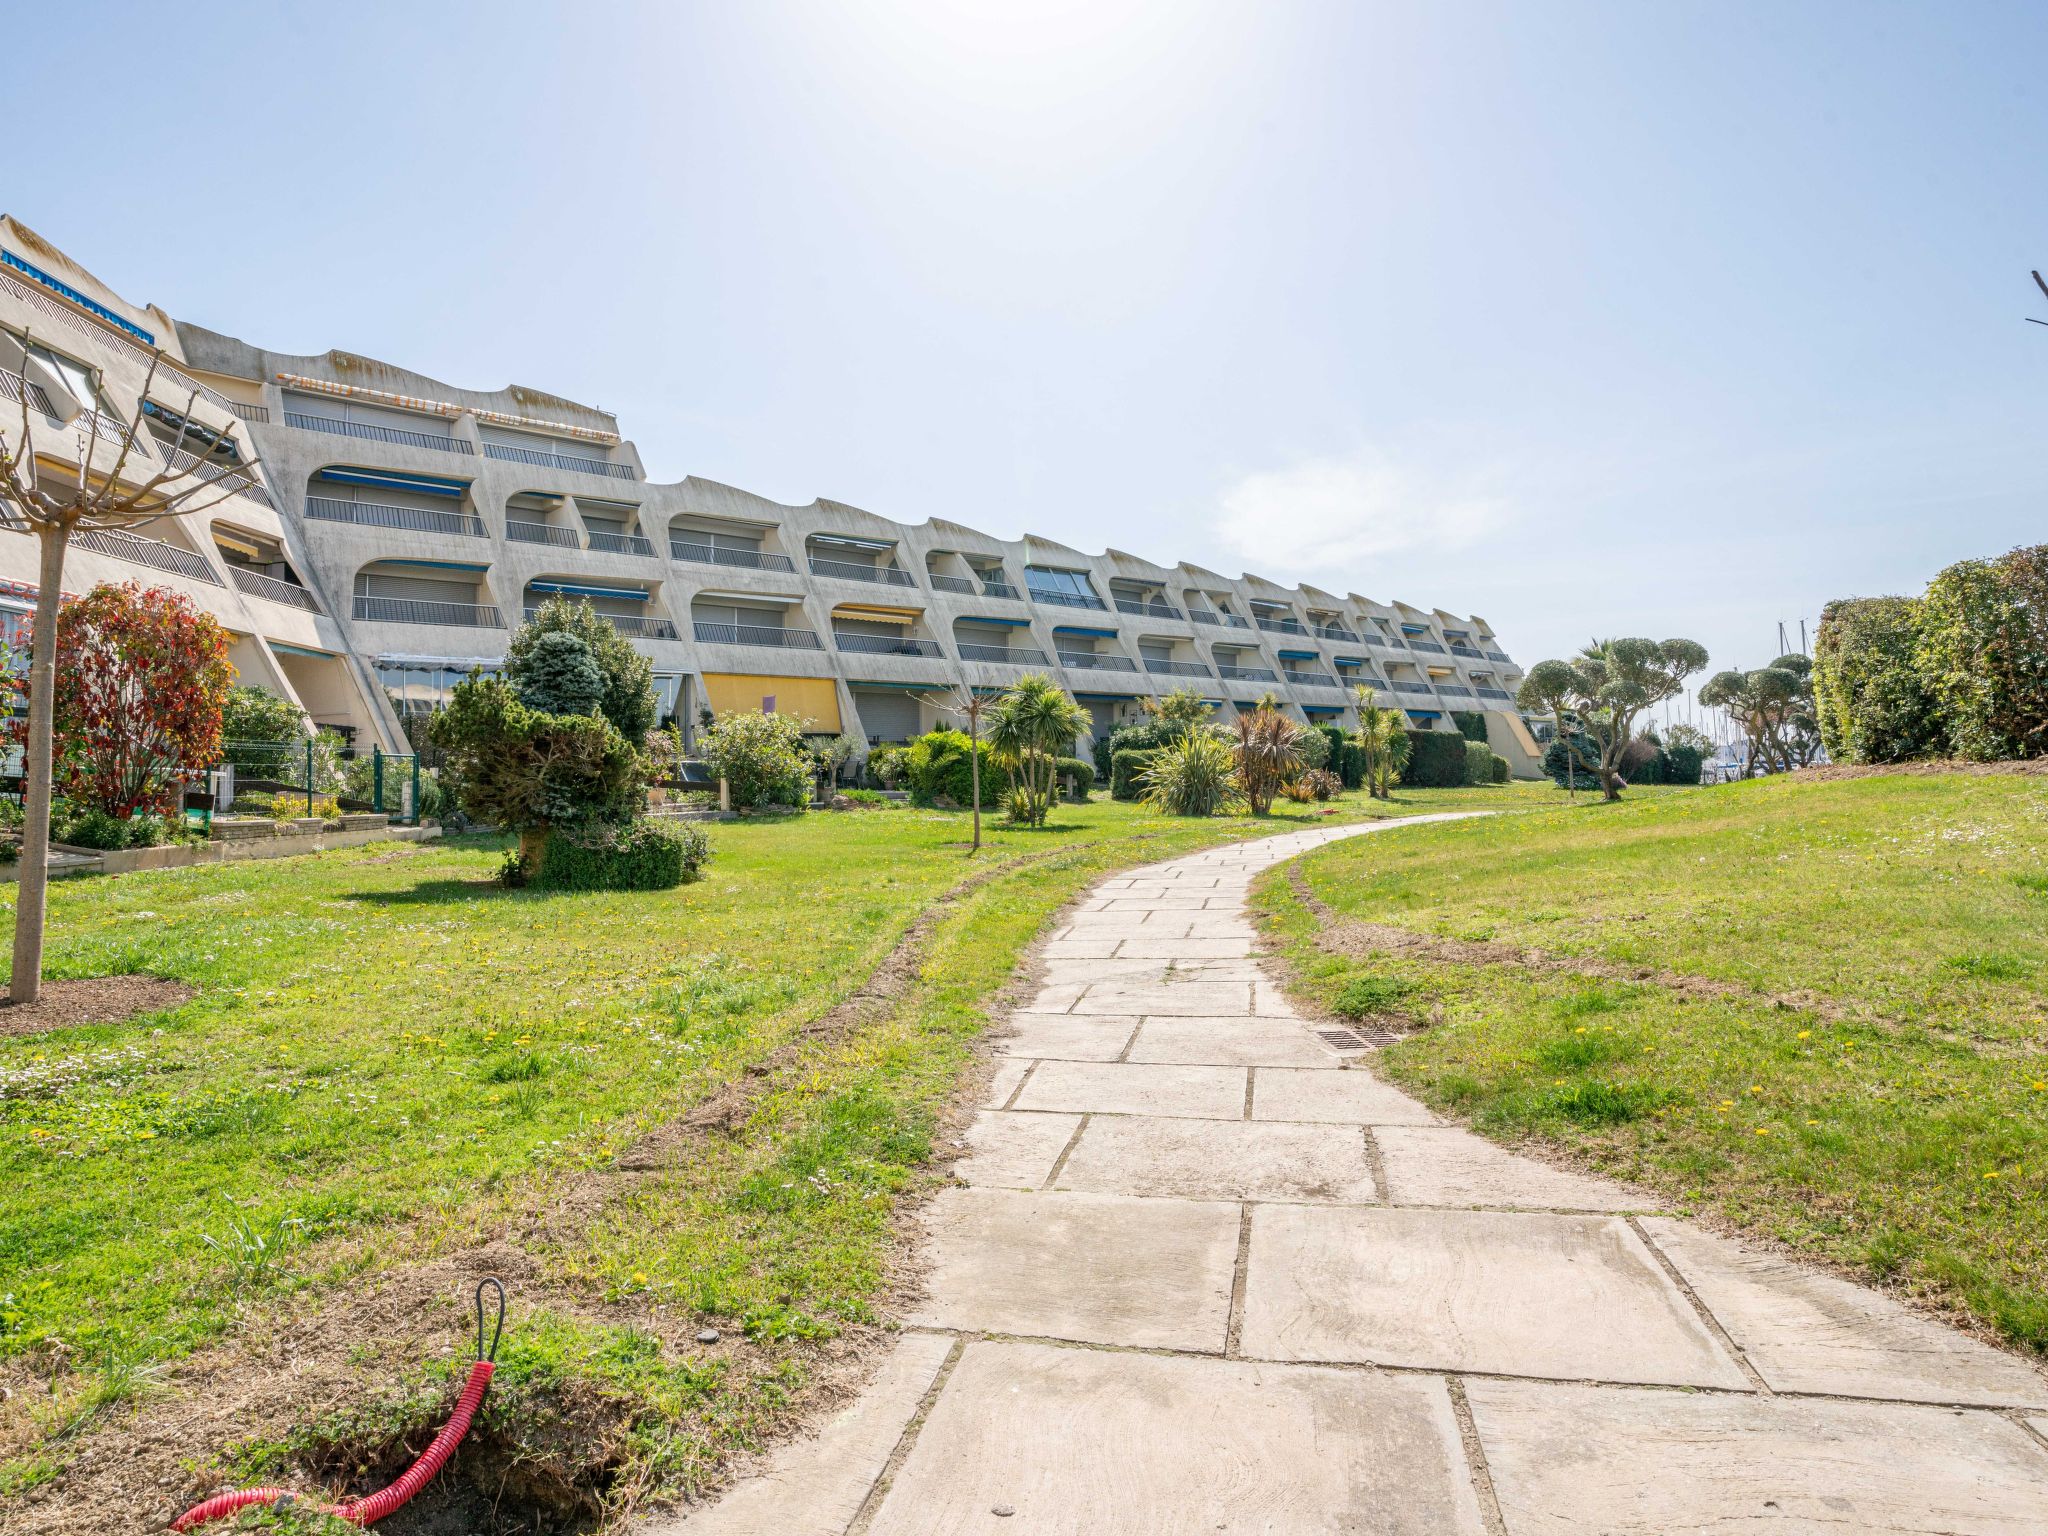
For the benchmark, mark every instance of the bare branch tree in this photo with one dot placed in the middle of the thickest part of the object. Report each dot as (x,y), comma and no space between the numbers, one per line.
(92,489)
(965,701)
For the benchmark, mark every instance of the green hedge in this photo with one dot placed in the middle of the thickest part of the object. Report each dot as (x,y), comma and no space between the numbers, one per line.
(937,765)
(1682,765)
(647,856)
(1079,770)
(1873,704)
(1436,760)
(1471,724)
(1500,769)
(1126,767)
(1479,761)
(1350,765)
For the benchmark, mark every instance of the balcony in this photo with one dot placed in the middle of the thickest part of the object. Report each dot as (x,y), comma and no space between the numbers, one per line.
(847,570)
(710,554)
(1067,599)
(942,583)
(883,645)
(1000,589)
(377,514)
(756,634)
(1332,632)
(1003,655)
(1425,645)
(11,385)
(1496,693)
(260,414)
(137,550)
(1282,626)
(1090,661)
(1246,674)
(541,533)
(566,461)
(1498,656)
(1400,686)
(1219,620)
(369,432)
(1147,609)
(234,484)
(1176,668)
(634,626)
(1385,642)
(1466,650)
(620,543)
(1313,680)
(1454,690)
(410,610)
(270,588)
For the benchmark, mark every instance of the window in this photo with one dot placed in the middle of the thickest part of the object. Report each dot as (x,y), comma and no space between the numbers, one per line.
(1063,583)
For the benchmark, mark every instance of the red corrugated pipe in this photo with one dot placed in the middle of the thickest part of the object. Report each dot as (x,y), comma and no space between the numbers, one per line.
(368,1511)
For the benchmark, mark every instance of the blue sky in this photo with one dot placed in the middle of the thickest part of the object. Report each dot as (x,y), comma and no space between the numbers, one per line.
(1666,319)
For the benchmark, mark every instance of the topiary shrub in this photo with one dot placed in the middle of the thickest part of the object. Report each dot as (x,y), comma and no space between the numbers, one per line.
(647,856)
(1436,760)
(1557,759)
(558,675)
(1479,761)
(1127,767)
(1471,724)
(1080,771)
(1500,770)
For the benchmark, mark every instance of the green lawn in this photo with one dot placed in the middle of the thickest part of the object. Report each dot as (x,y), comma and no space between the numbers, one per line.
(388,1055)
(1891,1117)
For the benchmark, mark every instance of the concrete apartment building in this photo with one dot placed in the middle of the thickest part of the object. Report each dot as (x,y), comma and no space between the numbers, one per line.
(395,529)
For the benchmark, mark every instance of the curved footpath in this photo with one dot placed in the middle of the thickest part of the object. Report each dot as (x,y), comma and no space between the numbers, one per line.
(1208,1274)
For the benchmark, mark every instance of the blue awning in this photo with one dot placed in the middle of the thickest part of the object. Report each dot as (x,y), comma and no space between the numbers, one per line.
(1414,629)
(1297,655)
(424,485)
(1107,698)
(1321,709)
(1425,714)
(437,565)
(1075,629)
(1354,661)
(572,589)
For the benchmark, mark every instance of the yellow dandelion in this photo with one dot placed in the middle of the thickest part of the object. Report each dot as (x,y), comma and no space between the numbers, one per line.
(1992,1174)
(1805,1034)
(1755,1088)
(1763,1131)
(1813,1122)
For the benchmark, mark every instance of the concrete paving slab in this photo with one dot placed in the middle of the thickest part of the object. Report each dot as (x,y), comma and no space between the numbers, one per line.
(1058,997)
(1101,1269)
(1220,1160)
(1190,949)
(1215,925)
(1067,1036)
(815,1486)
(1230,1042)
(1567,1460)
(1126,1088)
(1574,1297)
(1006,1150)
(1269,1001)
(1087,972)
(1079,1442)
(1442,1165)
(1079,949)
(1346,1096)
(1805,1331)
(2040,1426)
(1208,998)
(1003,1081)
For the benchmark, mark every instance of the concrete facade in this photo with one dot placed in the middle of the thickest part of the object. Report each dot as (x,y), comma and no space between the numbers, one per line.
(398,526)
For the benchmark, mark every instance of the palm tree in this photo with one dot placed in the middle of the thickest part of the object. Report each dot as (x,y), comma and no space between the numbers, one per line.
(1268,751)
(1382,736)
(1029,728)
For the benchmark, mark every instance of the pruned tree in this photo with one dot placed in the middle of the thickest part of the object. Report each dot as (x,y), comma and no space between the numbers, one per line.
(1382,736)
(968,703)
(104,478)
(1603,691)
(1774,708)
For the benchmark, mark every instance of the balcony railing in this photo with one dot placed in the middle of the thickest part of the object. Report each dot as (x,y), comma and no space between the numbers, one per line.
(10,391)
(1466,650)
(884,645)
(1313,680)
(1149,610)
(1425,645)
(620,543)
(1246,674)
(756,634)
(1495,693)
(1090,661)
(1454,690)
(1281,626)
(636,626)
(1000,589)
(377,514)
(1496,655)
(1006,655)
(137,550)
(260,414)
(256,584)
(237,484)
(370,432)
(566,461)
(1332,632)
(412,610)
(541,533)
(1067,599)
(944,583)
(847,570)
(1385,642)
(1219,620)
(712,554)
(1400,686)
(1168,668)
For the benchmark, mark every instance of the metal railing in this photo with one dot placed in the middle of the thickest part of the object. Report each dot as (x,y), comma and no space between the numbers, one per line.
(1001,589)
(166,369)
(1089,661)
(1497,656)
(1332,632)
(1399,686)
(1495,693)
(1246,674)
(1425,645)
(1466,650)
(944,583)
(638,626)
(260,414)
(154,553)
(1066,599)
(256,584)
(756,634)
(567,461)
(11,385)
(1176,668)
(1314,679)
(883,645)
(412,610)
(378,514)
(711,554)
(847,570)
(1220,620)
(1007,655)
(238,483)
(370,432)
(1281,626)
(1149,610)
(620,543)
(541,533)
(1454,690)
(1385,642)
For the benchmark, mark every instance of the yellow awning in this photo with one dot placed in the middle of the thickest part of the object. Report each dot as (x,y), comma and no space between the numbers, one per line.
(879,613)
(812,698)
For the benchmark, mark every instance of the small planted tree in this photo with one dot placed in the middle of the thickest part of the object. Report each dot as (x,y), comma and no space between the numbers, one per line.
(1603,691)
(972,705)
(260,727)
(1267,753)
(1382,739)
(1030,727)
(760,756)
(1774,708)
(1179,712)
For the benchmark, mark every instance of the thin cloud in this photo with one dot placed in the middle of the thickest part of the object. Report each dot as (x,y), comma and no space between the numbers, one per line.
(1349,508)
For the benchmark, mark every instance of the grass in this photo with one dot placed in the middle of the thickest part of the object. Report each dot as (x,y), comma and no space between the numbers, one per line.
(1866,1083)
(387,1052)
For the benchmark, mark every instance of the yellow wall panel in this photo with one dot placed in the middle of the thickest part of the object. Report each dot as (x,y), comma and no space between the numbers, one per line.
(814,698)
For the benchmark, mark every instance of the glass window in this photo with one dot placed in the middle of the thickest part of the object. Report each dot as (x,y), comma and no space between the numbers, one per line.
(1068,583)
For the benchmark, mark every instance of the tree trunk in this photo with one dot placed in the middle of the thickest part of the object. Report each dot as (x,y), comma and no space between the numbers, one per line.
(32,894)
(531,841)
(974,776)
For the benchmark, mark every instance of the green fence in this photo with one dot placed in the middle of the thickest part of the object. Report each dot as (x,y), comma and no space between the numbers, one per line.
(268,776)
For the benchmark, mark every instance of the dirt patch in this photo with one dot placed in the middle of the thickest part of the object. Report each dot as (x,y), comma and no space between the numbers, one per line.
(2031,767)
(91,1000)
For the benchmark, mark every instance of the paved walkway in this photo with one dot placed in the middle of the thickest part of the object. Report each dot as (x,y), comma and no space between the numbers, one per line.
(1206,1273)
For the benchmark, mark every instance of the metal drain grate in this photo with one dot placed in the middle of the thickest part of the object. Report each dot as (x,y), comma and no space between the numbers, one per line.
(1343,1039)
